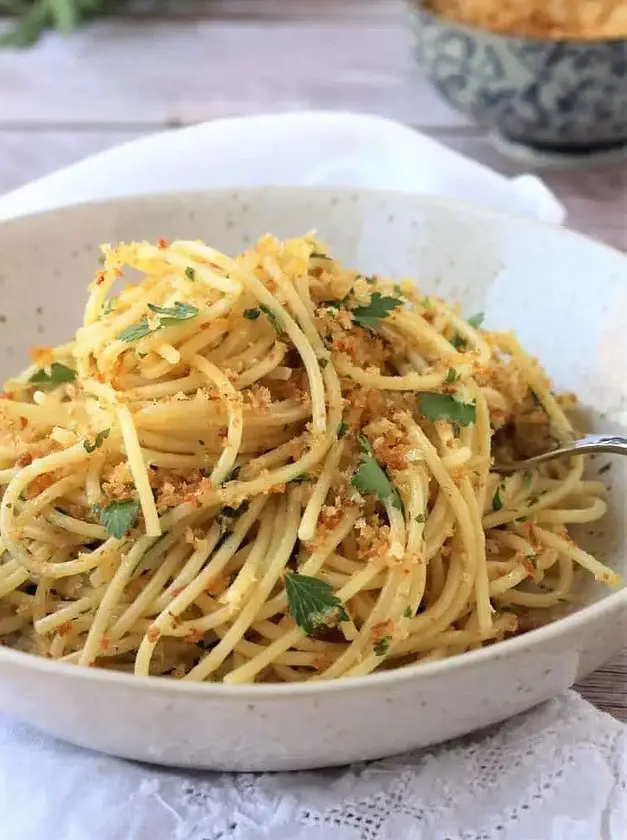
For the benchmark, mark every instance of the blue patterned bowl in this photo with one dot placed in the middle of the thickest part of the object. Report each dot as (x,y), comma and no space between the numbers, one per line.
(559,96)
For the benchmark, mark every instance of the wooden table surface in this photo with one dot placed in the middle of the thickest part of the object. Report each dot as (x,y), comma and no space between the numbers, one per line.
(202,59)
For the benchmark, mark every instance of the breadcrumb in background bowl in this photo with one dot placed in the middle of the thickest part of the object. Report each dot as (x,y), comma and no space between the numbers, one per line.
(547,76)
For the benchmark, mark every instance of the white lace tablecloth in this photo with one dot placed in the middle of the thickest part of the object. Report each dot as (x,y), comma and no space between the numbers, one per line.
(558,772)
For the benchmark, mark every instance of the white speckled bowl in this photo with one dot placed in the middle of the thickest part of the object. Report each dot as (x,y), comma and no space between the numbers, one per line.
(565,296)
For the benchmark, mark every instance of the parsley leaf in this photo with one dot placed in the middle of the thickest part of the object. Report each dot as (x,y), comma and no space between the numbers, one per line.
(458,342)
(382,646)
(533,560)
(252,314)
(342,429)
(451,376)
(379,307)
(446,407)
(100,439)
(420,519)
(190,273)
(476,320)
(118,517)
(323,363)
(497,504)
(172,314)
(408,612)
(135,331)
(273,318)
(311,602)
(58,375)
(371,479)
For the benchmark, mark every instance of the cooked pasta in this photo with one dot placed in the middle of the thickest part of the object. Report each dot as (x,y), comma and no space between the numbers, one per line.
(272,468)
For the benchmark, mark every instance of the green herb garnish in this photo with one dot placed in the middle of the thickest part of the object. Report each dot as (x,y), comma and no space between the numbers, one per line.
(458,342)
(252,314)
(408,612)
(342,429)
(370,477)
(382,646)
(497,504)
(172,314)
(273,318)
(451,376)
(118,517)
(533,560)
(312,603)
(420,519)
(190,273)
(100,439)
(446,407)
(58,375)
(379,307)
(323,363)
(476,320)
(136,331)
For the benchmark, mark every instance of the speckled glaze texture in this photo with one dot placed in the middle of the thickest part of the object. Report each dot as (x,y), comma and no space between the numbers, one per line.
(553,95)
(564,295)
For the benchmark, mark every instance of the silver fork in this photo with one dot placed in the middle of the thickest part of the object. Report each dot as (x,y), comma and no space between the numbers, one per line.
(587,445)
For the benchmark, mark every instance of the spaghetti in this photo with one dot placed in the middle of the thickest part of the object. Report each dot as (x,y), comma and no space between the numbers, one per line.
(272,468)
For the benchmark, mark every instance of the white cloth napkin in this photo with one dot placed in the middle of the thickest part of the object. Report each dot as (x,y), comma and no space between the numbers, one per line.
(558,772)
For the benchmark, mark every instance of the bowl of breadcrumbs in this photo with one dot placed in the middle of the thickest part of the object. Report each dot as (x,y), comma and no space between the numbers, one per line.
(545,75)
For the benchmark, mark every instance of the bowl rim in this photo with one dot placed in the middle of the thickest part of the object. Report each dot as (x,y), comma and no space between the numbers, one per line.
(609,603)
(474,30)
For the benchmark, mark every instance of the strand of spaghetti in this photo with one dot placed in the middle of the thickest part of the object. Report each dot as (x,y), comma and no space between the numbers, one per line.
(301,344)
(233,401)
(170,616)
(312,510)
(587,561)
(111,596)
(138,471)
(410,382)
(239,626)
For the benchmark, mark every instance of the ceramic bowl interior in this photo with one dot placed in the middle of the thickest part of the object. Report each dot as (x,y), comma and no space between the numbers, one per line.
(564,295)
(560,96)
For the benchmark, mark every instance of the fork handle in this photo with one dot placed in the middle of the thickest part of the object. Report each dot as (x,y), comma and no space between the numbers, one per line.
(587,445)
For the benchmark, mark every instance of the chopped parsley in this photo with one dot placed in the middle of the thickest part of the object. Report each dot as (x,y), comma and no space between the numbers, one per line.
(476,320)
(382,646)
(533,560)
(252,314)
(100,439)
(408,612)
(497,504)
(57,375)
(136,331)
(446,407)
(190,273)
(379,307)
(458,342)
(451,376)
(312,603)
(118,517)
(272,317)
(171,315)
(370,477)
(420,519)
(227,510)
(323,363)
(342,429)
